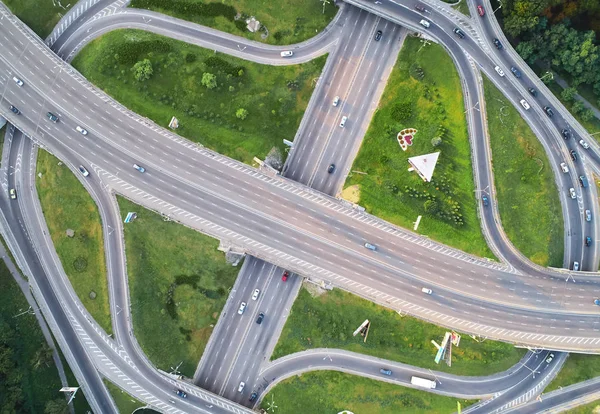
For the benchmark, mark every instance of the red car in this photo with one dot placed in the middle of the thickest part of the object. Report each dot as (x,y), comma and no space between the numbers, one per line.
(480,10)
(285,275)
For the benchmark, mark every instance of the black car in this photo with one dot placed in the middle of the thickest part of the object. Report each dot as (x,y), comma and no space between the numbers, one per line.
(532,91)
(515,71)
(15,110)
(548,111)
(420,8)
(331,168)
(573,155)
(253,397)
(459,32)
(497,44)
(52,117)
(260,318)
(486,200)
(378,35)
(588,241)
(565,133)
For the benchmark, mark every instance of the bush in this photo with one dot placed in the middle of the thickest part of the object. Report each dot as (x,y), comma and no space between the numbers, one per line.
(142,70)
(128,53)
(241,113)
(402,112)
(188,7)
(80,264)
(209,80)
(221,65)
(190,58)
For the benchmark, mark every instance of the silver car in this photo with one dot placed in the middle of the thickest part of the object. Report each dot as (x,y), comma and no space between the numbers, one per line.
(242,308)
(588,215)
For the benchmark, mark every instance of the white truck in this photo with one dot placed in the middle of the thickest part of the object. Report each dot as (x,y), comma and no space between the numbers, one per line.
(422,382)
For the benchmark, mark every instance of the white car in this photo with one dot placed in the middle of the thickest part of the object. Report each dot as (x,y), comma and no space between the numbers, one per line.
(550,358)
(584,144)
(287,53)
(18,81)
(499,71)
(255,294)
(572,193)
(564,167)
(83,131)
(83,171)
(424,23)
(242,308)
(427,290)
(336,101)
(525,104)
(344,119)
(241,387)
(575,266)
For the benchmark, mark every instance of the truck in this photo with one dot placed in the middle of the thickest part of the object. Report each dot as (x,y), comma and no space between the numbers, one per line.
(422,382)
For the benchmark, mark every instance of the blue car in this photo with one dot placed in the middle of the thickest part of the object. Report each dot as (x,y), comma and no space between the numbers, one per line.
(139,168)
(385,371)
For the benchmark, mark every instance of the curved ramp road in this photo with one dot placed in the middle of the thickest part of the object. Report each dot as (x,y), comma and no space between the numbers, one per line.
(301,230)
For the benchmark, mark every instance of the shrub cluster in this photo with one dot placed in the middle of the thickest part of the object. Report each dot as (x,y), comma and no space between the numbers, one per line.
(448,210)
(223,66)
(128,53)
(188,8)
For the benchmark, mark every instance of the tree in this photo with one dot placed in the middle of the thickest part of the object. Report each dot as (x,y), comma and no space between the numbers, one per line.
(209,80)
(142,70)
(436,141)
(586,115)
(431,207)
(578,107)
(43,356)
(241,113)
(568,94)
(58,406)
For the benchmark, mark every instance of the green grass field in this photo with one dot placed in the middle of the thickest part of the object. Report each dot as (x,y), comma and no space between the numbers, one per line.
(591,408)
(463,7)
(433,104)
(332,392)
(527,195)
(286,21)
(67,205)
(577,368)
(178,284)
(125,402)
(327,321)
(25,387)
(40,15)
(274,97)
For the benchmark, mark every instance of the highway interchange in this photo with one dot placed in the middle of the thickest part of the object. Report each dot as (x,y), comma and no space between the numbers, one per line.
(332,233)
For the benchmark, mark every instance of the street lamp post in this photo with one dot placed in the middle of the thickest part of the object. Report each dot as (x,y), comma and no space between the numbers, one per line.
(548,73)
(498,8)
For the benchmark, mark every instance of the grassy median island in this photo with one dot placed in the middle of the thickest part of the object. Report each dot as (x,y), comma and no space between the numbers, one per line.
(332,392)
(328,320)
(526,191)
(577,368)
(424,93)
(28,377)
(591,408)
(67,206)
(40,15)
(285,21)
(125,402)
(238,108)
(178,283)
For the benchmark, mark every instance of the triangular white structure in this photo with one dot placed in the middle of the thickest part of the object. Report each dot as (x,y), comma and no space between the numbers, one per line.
(424,165)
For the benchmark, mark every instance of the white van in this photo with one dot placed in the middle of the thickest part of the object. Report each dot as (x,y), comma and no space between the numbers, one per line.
(343,122)
(525,104)
(424,23)
(287,53)
(427,290)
